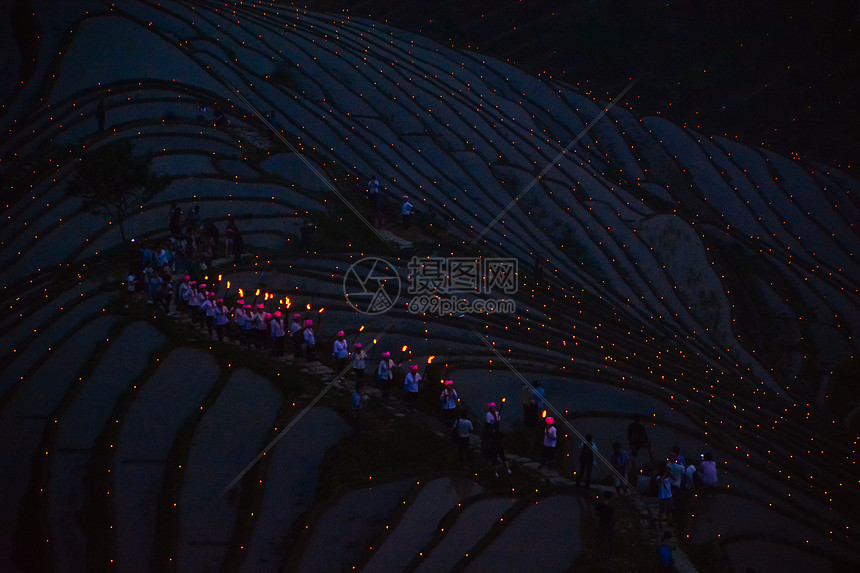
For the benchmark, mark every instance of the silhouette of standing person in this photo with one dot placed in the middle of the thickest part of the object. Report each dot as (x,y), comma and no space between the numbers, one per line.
(586,460)
(373,191)
(637,436)
(238,246)
(406,212)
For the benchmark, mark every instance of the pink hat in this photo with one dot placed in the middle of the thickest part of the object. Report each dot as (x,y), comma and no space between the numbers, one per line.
(550,421)
(211,295)
(309,322)
(193,283)
(358,344)
(277,314)
(247,307)
(261,306)
(491,405)
(203,286)
(186,278)
(386,353)
(220,300)
(268,316)
(414,367)
(296,316)
(449,382)
(240,302)
(340,334)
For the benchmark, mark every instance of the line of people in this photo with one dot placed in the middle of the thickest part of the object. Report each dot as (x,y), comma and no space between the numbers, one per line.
(251,325)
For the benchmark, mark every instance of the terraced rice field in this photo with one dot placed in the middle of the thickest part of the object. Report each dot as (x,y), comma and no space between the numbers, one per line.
(704,283)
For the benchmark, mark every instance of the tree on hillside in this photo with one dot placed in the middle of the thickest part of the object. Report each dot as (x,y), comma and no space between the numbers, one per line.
(114,182)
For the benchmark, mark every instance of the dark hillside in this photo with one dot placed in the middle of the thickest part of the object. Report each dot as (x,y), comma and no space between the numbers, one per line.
(777,72)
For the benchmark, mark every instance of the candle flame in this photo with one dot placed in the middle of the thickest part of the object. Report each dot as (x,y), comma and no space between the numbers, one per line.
(430,359)
(228,285)
(219,278)
(543,415)
(287,301)
(241,293)
(403,349)
(320,310)
(257,293)
(308,306)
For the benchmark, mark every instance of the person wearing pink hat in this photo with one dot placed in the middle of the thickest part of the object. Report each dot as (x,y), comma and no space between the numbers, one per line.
(277,330)
(492,421)
(448,398)
(207,311)
(261,327)
(340,351)
(411,385)
(248,325)
(222,318)
(310,340)
(385,374)
(239,320)
(550,435)
(297,335)
(494,416)
(359,357)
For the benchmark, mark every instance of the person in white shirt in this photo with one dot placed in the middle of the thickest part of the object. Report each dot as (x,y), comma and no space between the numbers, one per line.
(222,318)
(207,309)
(411,386)
(462,429)
(261,326)
(297,335)
(341,351)
(194,301)
(550,435)
(448,398)
(385,374)
(310,341)
(277,330)
(239,320)
(184,292)
(358,365)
